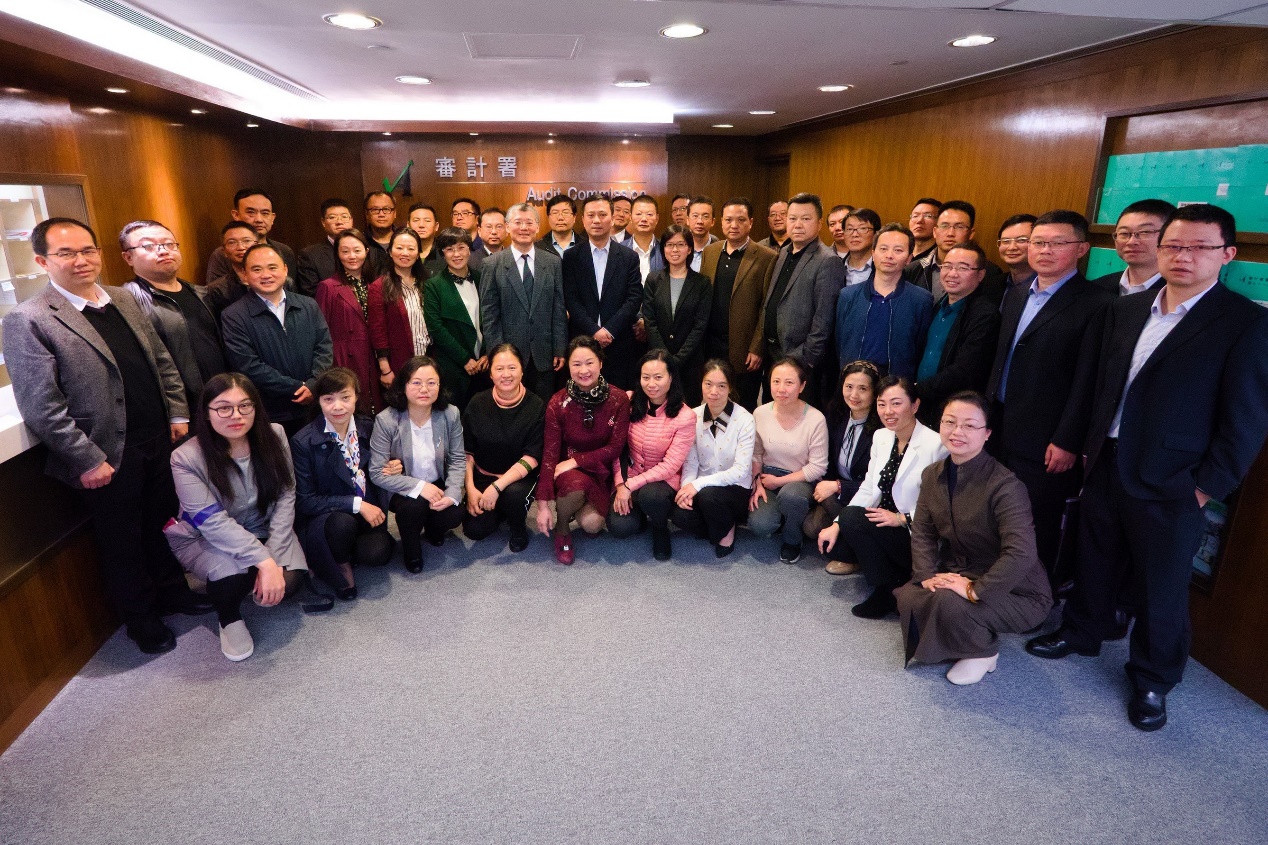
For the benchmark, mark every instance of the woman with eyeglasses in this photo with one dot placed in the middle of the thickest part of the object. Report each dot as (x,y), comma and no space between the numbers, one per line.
(398,329)
(676,303)
(342,516)
(236,528)
(975,571)
(451,306)
(874,530)
(852,421)
(586,428)
(417,454)
(344,300)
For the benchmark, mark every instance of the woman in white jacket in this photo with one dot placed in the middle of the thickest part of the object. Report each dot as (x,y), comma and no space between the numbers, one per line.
(875,528)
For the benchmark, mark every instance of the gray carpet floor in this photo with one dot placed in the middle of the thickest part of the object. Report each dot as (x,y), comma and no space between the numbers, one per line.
(506,699)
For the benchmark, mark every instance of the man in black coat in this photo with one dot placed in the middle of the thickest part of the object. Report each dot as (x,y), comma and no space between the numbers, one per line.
(1178,403)
(317,261)
(603,292)
(963,334)
(1038,431)
(1136,242)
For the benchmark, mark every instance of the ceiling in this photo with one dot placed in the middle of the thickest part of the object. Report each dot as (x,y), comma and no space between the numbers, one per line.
(278,60)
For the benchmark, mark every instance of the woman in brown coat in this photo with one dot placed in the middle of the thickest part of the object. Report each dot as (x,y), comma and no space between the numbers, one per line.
(975,571)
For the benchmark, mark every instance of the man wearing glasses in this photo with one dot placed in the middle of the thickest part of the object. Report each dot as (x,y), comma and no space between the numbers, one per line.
(317,262)
(1014,250)
(380,225)
(255,208)
(183,321)
(96,386)
(924,215)
(861,226)
(1038,425)
(1136,242)
(465,214)
(1178,406)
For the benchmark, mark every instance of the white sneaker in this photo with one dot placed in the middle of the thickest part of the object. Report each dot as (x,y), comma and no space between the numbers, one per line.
(970,670)
(236,642)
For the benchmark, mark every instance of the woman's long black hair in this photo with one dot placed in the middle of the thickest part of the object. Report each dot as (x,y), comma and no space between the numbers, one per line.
(639,403)
(268,453)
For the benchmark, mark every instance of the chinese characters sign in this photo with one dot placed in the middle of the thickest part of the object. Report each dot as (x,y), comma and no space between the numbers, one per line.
(447,167)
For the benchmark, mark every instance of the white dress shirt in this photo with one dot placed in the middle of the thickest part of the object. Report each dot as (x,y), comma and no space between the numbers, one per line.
(519,260)
(723,460)
(1126,288)
(471,299)
(424,456)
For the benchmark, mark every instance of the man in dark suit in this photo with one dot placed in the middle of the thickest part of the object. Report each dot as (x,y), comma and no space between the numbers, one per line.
(799,310)
(1179,410)
(317,261)
(254,207)
(603,292)
(740,270)
(960,345)
(95,384)
(522,302)
(561,216)
(1136,241)
(1038,430)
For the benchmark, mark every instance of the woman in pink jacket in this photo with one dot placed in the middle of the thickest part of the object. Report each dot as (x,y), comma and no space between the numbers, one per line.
(662,430)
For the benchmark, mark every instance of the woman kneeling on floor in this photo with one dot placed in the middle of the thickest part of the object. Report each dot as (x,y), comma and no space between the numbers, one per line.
(975,575)
(237,494)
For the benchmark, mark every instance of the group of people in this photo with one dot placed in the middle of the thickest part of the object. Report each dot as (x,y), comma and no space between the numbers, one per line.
(924,416)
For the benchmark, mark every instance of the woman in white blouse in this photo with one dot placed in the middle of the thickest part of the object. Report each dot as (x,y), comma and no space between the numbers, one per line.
(417,455)
(717,474)
(876,525)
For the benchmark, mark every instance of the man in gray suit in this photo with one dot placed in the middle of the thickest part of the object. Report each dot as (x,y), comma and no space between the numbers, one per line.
(522,302)
(95,384)
(798,312)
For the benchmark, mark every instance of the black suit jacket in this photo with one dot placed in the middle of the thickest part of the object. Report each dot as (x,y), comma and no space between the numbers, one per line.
(684,333)
(1109,283)
(616,310)
(1197,412)
(858,464)
(1037,408)
(921,275)
(316,263)
(967,356)
(323,482)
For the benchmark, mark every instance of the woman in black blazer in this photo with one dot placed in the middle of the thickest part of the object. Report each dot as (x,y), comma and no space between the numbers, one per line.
(852,421)
(676,305)
(341,517)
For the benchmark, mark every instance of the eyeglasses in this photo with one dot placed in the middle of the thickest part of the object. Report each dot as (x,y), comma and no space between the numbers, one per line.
(338,218)
(1010,241)
(72,254)
(419,385)
(949,227)
(384,210)
(1042,245)
(245,409)
(464,214)
(151,249)
(958,268)
(857,230)
(675,245)
(241,242)
(950,426)
(1127,237)
(1177,249)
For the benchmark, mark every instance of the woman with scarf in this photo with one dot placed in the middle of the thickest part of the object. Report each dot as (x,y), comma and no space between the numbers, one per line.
(586,428)
(344,302)
(397,326)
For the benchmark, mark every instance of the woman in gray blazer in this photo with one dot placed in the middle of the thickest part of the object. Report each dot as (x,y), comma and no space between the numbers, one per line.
(417,455)
(237,494)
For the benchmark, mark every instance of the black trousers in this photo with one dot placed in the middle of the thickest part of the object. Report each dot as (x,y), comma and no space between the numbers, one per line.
(141,575)
(746,387)
(415,516)
(884,554)
(650,505)
(714,512)
(541,382)
(1152,543)
(511,507)
(226,594)
(1047,492)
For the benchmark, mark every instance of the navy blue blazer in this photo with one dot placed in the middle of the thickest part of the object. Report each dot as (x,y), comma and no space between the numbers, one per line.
(1197,412)
(858,465)
(323,483)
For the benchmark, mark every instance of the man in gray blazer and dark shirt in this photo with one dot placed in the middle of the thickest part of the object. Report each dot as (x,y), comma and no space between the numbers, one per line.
(522,302)
(800,305)
(96,385)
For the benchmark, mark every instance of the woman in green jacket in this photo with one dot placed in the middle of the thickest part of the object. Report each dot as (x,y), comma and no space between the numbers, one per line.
(451,306)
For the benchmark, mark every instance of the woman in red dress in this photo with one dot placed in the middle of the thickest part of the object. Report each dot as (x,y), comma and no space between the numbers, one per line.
(344,301)
(586,425)
(397,328)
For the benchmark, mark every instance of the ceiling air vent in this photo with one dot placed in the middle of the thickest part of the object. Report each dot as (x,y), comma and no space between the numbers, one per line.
(518,46)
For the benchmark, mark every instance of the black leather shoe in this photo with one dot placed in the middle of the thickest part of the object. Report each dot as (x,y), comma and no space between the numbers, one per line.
(519,541)
(415,566)
(188,603)
(436,540)
(1122,624)
(346,593)
(1147,710)
(152,636)
(1054,646)
(721,551)
(878,605)
(661,546)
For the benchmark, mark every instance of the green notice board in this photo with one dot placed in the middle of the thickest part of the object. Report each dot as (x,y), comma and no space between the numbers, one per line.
(1234,178)
(1249,278)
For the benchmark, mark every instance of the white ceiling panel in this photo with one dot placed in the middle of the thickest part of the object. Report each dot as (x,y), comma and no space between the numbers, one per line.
(1146,10)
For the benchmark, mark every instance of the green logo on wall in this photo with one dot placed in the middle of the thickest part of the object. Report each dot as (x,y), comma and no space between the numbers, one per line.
(402,182)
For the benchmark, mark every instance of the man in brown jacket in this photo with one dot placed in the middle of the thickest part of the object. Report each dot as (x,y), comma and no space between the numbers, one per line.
(740,270)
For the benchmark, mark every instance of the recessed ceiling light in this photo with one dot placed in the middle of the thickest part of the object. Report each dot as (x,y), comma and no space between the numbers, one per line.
(724,126)
(550,140)
(631,83)
(551,134)
(834,89)
(407,79)
(683,30)
(625,140)
(197,111)
(175,124)
(99,110)
(474,134)
(973,41)
(253,126)
(352,20)
(117,90)
(762,111)
(378,47)
(388,134)
(12,90)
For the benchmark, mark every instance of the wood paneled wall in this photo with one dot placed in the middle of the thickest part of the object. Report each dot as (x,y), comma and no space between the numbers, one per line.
(146,165)
(1025,142)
